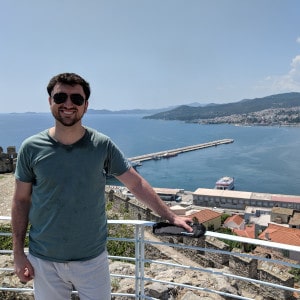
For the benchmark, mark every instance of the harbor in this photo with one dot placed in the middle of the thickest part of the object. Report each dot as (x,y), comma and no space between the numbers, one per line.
(175,152)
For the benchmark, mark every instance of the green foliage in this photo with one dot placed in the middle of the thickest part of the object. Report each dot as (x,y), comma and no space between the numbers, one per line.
(6,241)
(234,244)
(224,217)
(115,284)
(109,205)
(231,244)
(211,227)
(225,230)
(120,248)
(296,273)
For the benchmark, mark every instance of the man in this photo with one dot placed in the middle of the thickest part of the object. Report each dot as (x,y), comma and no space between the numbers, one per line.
(59,191)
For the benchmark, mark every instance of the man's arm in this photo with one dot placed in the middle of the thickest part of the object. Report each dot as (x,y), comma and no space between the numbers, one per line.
(145,193)
(19,218)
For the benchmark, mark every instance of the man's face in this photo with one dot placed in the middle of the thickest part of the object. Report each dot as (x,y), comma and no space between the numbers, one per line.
(68,113)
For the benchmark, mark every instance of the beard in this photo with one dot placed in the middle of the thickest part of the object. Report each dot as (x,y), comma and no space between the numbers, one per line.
(67,121)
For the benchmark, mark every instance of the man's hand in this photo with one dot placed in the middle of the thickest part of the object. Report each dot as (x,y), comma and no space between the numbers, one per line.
(23,268)
(184,222)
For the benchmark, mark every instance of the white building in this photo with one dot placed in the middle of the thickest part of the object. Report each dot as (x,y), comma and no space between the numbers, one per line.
(239,200)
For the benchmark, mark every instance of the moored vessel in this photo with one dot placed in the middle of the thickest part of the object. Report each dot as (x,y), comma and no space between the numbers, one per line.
(225,183)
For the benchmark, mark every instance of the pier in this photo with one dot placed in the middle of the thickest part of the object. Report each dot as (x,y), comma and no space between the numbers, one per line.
(175,152)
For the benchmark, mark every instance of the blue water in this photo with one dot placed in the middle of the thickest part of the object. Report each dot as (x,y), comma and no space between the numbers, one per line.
(262,159)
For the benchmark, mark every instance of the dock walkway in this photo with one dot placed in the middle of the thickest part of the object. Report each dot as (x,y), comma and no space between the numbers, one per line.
(175,152)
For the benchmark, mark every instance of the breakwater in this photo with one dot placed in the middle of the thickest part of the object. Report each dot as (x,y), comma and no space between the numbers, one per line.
(175,152)
(8,160)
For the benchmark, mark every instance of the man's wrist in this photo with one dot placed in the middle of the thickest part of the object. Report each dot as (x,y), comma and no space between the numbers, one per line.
(18,251)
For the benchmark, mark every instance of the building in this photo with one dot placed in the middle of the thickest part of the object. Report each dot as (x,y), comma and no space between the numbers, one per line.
(281,215)
(178,210)
(295,220)
(284,235)
(169,194)
(209,218)
(250,231)
(239,200)
(234,222)
(258,215)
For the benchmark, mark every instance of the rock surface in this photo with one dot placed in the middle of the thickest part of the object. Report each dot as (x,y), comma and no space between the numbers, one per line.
(152,289)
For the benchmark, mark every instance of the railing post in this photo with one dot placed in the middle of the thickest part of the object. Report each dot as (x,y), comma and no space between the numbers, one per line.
(139,263)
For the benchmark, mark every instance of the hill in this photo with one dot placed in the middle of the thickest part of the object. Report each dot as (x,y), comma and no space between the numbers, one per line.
(129,111)
(126,111)
(137,111)
(243,107)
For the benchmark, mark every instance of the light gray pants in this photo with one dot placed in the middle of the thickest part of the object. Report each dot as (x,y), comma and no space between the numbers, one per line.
(55,280)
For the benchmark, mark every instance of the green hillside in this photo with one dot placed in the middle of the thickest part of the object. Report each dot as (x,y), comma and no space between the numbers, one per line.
(189,113)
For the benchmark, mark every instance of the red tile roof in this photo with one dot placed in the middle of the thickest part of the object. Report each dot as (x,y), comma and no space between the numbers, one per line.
(248,232)
(280,234)
(205,215)
(237,219)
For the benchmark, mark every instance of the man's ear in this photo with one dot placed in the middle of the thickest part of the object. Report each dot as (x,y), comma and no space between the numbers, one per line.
(86,104)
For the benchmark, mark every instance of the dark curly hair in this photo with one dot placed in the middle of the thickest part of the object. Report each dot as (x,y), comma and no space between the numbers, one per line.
(70,79)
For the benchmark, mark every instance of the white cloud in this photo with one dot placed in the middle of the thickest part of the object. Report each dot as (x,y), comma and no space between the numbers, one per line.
(285,83)
(298,39)
(296,62)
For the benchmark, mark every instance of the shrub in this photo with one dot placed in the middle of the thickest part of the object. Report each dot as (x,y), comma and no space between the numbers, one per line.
(6,241)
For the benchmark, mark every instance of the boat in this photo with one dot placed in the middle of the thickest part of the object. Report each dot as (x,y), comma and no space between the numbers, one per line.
(225,183)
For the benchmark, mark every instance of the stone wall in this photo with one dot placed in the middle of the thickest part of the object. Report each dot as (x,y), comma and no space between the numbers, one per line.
(8,160)
(243,266)
(272,273)
(132,207)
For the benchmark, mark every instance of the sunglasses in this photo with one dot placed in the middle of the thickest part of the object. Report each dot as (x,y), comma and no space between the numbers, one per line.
(60,98)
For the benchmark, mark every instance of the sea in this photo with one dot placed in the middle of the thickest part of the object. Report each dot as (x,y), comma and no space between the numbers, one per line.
(262,159)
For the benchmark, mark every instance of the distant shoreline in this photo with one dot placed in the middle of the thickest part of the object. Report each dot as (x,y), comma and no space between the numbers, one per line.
(249,124)
(214,121)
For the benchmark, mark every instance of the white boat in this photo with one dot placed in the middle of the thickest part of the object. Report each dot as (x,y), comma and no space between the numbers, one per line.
(225,183)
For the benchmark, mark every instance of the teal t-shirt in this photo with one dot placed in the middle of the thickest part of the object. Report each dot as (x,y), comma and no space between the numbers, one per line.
(67,215)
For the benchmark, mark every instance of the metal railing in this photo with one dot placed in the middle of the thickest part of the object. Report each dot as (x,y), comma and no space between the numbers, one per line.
(140,261)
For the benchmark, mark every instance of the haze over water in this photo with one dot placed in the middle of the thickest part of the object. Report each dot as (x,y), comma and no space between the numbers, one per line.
(262,159)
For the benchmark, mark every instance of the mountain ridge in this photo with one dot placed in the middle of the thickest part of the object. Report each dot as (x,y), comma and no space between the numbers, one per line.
(245,106)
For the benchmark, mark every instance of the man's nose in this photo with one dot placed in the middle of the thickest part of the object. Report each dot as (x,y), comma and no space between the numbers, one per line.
(68,102)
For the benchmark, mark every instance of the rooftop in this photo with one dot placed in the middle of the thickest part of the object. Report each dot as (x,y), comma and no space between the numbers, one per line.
(281,234)
(248,232)
(206,215)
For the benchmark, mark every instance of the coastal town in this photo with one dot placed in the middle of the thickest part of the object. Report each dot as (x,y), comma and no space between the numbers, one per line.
(266,117)
(253,215)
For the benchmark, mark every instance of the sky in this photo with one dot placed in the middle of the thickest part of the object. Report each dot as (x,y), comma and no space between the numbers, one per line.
(149,53)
